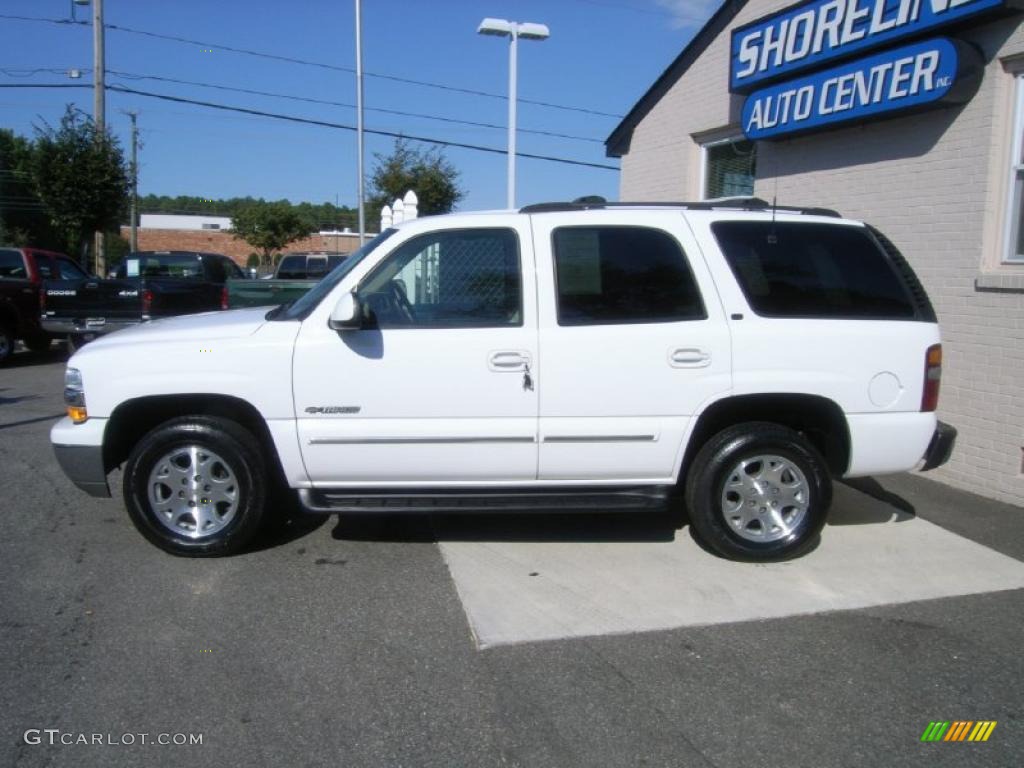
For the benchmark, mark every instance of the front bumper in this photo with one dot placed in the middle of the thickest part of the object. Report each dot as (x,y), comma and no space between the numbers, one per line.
(79,451)
(67,325)
(941,446)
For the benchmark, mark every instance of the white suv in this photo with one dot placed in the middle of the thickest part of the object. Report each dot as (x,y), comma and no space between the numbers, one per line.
(728,357)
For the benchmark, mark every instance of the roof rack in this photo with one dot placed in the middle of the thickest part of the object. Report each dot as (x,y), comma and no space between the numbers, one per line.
(740,203)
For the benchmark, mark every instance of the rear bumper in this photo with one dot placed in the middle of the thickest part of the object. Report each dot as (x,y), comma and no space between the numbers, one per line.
(940,448)
(79,451)
(64,325)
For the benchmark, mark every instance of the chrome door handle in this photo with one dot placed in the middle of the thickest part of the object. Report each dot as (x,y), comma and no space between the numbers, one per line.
(689,357)
(508,361)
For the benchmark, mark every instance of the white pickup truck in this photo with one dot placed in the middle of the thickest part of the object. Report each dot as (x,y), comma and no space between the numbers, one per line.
(727,357)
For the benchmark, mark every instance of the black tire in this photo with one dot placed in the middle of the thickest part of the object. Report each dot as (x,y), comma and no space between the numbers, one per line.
(40,343)
(717,463)
(238,455)
(6,343)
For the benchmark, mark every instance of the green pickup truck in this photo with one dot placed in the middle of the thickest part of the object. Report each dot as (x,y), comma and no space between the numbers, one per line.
(296,274)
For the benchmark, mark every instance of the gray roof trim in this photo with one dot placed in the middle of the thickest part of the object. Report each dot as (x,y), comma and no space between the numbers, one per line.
(618,141)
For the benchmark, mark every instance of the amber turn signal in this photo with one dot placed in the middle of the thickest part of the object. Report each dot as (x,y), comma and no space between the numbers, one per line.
(77,414)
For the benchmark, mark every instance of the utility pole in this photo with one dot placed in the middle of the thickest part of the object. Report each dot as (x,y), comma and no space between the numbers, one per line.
(135,182)
(359,117)
(99,105)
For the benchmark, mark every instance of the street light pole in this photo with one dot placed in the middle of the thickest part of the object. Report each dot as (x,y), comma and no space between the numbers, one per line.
(359,119)
(512,68)
(135,182)
(99,105)
(513,30)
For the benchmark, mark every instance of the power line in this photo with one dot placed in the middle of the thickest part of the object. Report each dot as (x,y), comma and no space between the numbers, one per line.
(322,123)
(16,72)
(319,64)
(311,100)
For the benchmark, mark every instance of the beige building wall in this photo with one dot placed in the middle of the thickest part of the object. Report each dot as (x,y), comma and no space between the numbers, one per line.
(936,183)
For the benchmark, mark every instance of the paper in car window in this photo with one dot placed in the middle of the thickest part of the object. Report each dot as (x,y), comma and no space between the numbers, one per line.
(579,262)
(132,267)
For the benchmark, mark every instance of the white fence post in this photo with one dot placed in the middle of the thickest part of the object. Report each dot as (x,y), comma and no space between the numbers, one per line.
(398,210)
(411,205)
(386,217)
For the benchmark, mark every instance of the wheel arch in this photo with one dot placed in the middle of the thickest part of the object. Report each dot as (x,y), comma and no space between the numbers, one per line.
(132,419)
(818,418)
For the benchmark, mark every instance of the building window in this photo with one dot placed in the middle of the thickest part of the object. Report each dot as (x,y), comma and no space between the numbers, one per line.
(729,168)
(1014,250)
(211,226)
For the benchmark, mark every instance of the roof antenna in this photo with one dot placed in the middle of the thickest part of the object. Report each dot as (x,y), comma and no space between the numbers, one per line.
(772,237)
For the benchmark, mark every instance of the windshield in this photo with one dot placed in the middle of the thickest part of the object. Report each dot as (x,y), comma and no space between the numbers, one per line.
(301,308)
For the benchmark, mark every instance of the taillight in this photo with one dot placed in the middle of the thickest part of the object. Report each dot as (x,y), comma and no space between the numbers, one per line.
(224,297)
(932,377)
(147,301)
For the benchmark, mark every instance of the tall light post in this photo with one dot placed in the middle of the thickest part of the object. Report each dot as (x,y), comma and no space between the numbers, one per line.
(512,30)
(359,119)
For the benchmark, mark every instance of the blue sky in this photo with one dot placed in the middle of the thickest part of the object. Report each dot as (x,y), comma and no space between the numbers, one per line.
(602,55)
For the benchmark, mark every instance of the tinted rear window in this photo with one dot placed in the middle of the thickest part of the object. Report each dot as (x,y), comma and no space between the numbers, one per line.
(182,265)
(813,270)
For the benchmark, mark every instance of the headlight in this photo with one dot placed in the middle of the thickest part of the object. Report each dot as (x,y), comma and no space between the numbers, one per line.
(72,378)
(74,395)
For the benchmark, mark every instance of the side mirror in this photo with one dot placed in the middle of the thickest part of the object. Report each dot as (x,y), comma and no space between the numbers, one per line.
(347,314)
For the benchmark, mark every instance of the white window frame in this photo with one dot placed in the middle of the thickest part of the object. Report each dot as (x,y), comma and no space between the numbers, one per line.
(704,159)
(1016,167)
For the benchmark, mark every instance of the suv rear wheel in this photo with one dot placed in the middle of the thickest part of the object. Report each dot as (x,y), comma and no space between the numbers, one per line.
(195,486)
(758,491)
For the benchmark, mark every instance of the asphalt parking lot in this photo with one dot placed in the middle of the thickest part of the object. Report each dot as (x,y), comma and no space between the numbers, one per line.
(537,641)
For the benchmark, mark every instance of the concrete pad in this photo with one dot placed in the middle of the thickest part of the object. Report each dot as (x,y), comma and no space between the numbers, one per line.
(516,591)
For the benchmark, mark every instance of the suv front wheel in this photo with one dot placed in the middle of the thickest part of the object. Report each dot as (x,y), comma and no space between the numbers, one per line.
(758,491)
(195,487)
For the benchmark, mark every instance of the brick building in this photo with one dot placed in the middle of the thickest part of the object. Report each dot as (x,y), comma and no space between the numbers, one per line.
(946,184)
(166,232)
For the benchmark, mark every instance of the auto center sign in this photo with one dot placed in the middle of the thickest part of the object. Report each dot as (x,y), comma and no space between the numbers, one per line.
(817,33)
(930,73)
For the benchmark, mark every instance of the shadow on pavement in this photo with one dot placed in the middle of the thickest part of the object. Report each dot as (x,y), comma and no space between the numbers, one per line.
(23,358)
(887,506)
(880,507)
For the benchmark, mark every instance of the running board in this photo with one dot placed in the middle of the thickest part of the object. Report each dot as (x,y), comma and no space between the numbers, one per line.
(561,500)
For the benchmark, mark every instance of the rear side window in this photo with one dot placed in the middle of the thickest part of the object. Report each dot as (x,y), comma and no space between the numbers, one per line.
(813,270)
(616,275)
(12,265)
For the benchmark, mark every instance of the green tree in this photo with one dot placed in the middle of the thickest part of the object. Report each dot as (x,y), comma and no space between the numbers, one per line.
(428,173)
(79,174)
(23,219)
(269,227)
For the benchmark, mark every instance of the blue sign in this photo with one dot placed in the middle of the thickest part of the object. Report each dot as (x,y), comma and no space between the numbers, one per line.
(818,31)
(925,74)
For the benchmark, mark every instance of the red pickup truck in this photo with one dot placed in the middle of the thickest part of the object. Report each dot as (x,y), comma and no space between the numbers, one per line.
(22,272)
